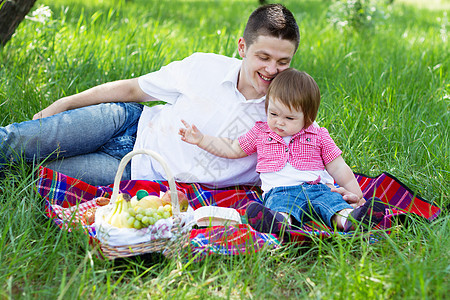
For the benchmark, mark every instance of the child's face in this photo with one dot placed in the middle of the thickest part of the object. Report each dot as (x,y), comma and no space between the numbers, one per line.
(282,120)
(261,62)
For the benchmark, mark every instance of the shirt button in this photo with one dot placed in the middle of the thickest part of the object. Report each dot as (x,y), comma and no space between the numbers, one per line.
(269,139)
(287,150)
(308,140)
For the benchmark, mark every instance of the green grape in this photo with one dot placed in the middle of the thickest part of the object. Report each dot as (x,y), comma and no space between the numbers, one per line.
(157,217)
(137,224)
(150,212)
(160,209)
(139,217)
(145,220)
(140,210)
(131,211)
(151,220)
(131,220)
(168,207)
(166,215)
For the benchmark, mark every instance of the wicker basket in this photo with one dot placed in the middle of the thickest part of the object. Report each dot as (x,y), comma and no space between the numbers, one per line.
(164,245)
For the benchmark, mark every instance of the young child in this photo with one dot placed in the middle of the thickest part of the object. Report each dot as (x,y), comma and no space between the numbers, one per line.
(294,155)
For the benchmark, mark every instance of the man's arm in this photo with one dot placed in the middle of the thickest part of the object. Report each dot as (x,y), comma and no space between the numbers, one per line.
(127,90)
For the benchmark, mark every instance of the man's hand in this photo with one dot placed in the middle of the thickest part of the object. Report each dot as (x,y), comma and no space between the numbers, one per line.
(53,109)
(127,90)
(351,198)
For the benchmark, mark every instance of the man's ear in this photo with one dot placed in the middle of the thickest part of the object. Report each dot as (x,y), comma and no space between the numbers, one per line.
(241,47)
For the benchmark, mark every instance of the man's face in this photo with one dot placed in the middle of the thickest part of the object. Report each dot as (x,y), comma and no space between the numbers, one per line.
(261,62)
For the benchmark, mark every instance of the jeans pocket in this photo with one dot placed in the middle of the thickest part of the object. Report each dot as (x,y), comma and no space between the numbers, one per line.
(118,147)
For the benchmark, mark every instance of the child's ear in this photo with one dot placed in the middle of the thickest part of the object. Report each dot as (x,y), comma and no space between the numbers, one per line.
(241,47)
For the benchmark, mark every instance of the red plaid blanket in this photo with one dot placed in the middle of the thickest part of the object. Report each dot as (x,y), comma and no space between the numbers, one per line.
(67,198)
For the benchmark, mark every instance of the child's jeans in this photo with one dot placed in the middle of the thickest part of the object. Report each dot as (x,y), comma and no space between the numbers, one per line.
(306,202)
(86,143)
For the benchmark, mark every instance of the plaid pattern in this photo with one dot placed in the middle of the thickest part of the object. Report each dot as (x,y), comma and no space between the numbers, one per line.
(66,217)
(310,149)
(400,198)
(63,195)
(229,240)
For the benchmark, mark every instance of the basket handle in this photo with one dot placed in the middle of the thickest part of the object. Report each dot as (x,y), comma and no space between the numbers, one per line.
(172,186)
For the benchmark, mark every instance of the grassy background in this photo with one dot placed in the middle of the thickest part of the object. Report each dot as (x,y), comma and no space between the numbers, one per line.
(385,101)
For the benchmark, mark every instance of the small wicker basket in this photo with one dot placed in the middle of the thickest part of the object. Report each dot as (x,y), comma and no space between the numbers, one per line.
(164,245)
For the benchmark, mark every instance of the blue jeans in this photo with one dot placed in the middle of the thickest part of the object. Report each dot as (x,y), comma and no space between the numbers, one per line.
(86,143)
(306,202)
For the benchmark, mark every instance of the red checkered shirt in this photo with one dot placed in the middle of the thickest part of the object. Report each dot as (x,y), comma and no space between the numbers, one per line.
(310,149)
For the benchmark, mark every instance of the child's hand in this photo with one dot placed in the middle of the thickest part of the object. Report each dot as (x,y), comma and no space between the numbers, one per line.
(350,197)
(190,134)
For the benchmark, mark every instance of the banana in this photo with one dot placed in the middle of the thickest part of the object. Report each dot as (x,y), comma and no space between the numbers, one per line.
(119,215)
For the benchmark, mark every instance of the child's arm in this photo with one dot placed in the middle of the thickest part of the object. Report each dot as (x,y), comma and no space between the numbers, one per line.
(344,176)
(222,147)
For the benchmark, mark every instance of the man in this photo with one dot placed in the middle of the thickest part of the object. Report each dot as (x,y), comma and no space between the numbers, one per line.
(88,133)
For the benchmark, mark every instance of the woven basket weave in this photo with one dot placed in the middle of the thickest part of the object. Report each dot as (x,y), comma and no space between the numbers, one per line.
(165,245)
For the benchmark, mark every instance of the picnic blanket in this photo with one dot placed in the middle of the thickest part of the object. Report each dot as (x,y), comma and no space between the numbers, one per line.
(67,198)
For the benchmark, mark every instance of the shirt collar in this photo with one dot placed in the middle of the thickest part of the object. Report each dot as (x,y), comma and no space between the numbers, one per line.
(265,128)
(313,129)
(233,75)
(232,78)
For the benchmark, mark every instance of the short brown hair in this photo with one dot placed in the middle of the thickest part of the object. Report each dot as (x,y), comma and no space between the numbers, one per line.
(273,20)
(297,90)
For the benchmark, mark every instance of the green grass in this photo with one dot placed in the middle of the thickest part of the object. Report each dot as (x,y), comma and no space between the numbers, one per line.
(385,101)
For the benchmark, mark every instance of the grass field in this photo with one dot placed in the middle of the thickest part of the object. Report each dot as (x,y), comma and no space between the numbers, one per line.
(385,89)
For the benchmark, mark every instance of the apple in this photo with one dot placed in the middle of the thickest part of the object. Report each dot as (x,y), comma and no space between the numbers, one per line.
(141,194)
(149,202)
(182,200)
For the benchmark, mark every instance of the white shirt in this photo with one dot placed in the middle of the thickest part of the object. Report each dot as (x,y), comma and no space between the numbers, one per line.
(289,176)
(202,90)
